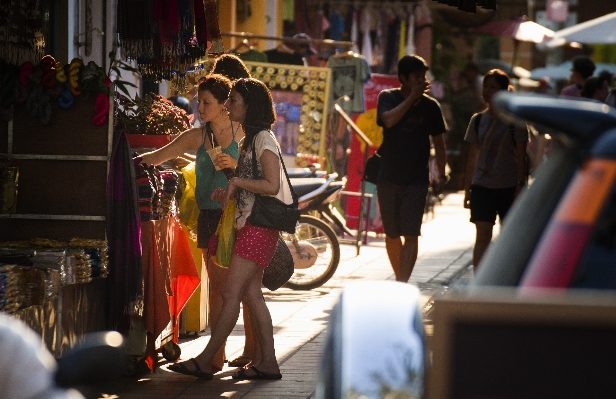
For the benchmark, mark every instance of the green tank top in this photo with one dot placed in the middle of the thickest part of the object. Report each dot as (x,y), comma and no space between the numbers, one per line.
(208,178)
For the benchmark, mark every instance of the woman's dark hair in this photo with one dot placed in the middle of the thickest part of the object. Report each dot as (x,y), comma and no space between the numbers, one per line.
(501,77)
(218,85)
(260,114)
(591,85)
(230,66)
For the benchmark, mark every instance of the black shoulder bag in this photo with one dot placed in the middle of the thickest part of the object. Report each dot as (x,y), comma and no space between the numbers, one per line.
(270,212)
(371,170)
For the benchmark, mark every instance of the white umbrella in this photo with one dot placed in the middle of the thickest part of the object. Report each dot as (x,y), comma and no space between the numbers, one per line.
(563,71)
(520,29)
(600,30)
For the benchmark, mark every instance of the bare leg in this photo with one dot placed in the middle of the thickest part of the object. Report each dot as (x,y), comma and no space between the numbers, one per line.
(262,325)
(252,350)
(394,248)
(244,277)
(251,345)
(482,240)
(217,276)
(408,257)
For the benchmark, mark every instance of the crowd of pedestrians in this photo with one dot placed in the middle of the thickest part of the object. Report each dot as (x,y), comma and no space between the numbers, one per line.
(237,113)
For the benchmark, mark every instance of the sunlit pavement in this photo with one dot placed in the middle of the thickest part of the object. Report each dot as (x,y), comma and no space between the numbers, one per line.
(300,317)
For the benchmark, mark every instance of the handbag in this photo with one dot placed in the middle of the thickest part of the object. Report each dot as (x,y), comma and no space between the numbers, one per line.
(371,170)
(270,212)
(280,268)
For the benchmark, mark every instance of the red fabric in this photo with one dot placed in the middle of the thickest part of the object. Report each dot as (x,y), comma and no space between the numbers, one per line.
(355,168)
(167,12)
(170,277)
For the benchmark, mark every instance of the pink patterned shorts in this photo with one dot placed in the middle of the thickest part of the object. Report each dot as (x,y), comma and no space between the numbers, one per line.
(257,244)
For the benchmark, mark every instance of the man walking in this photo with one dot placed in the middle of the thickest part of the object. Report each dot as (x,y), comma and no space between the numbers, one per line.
(409,119)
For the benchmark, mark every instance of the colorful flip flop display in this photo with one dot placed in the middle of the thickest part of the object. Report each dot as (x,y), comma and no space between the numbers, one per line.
(39,84)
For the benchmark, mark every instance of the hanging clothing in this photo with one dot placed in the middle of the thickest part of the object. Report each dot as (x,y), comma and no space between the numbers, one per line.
(123,227)
(23,30)
(354,30)
(275,56)
(252,55)
(365,25)
(349,73)
(336,26)
(402,39)
(410,32)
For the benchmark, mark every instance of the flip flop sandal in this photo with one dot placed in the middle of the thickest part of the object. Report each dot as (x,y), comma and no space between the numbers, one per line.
(240,361)
(259,375)
(197,372)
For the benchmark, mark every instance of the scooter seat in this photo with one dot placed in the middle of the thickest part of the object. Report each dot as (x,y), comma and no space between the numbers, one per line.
(299,173)
(303,186)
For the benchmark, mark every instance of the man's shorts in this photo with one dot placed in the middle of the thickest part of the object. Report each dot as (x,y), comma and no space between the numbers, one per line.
(402,208)
(486,203)
(206,225)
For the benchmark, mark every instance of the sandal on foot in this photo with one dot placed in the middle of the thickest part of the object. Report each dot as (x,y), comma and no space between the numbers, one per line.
(259,375)
(240,361)
(197,372)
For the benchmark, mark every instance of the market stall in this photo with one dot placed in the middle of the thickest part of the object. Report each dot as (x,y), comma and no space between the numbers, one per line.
(76,253)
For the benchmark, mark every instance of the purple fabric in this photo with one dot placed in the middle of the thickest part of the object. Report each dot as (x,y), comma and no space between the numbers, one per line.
(123,226)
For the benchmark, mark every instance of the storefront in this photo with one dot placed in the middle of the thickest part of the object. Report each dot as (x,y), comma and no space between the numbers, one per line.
(79,251)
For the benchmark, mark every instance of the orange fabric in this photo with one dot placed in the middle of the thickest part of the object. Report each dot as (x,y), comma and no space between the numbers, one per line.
(170,277)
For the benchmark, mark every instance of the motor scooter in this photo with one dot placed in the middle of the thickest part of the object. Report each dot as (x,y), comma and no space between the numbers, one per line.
(314,246)
(29,371)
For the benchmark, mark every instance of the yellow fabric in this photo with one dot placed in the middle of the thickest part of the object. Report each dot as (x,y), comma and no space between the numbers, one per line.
(367,123)
(189,210)
(226,235)
(402,42)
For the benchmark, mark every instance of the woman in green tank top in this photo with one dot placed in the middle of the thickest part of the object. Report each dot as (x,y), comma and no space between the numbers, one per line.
(212,173)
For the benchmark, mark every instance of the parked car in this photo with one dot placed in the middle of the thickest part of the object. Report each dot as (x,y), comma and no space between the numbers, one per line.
(562,230)
(560,233)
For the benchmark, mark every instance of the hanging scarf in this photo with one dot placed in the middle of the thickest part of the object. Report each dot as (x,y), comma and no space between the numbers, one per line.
(22,30)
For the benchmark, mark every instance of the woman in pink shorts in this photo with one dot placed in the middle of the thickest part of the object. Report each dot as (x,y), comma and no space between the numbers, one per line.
(249,103)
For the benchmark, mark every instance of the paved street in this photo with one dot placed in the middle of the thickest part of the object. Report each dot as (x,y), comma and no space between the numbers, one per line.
(300,317)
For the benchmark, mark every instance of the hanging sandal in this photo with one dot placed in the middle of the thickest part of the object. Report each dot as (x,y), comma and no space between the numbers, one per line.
(240,361)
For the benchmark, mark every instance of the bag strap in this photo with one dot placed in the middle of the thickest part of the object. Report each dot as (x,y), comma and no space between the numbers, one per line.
(255,169)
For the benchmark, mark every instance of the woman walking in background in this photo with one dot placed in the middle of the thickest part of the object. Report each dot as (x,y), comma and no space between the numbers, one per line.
(217,130)
(250,103)
(496,166)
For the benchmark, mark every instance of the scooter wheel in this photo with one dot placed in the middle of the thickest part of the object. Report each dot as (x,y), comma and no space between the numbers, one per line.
(320,236)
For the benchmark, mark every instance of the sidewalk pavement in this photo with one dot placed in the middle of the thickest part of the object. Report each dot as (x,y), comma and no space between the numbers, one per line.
(300,317)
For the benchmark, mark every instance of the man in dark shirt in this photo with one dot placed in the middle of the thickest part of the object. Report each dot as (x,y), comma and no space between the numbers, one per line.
(411,120)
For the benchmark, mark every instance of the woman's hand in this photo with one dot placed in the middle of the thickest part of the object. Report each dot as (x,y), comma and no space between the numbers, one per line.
(467,199)
(225,161)
(218,195)
(225,195)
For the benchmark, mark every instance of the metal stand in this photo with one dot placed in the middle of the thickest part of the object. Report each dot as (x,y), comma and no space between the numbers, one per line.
(367,143)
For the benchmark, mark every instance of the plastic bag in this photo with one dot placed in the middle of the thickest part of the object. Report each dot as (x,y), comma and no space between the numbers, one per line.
(226,236)
(189,210)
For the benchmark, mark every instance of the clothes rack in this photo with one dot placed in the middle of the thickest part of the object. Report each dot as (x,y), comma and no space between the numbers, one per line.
(327,42)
